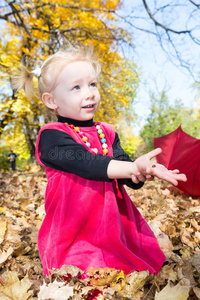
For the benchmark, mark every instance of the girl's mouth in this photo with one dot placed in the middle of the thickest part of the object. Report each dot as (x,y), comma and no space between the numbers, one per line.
(89,106)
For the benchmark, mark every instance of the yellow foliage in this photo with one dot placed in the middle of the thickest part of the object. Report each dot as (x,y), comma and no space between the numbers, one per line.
(47,27)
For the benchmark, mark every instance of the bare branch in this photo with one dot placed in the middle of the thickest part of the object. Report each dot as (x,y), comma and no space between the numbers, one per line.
(17,16)
(197,5)
(161,25)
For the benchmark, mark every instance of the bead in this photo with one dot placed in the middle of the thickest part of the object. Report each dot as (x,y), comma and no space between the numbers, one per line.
(102,135)
(66,123)
(105,146)
(81,134)
(95,150)
(98,127)
(77,129)
(84,138)
(100,131)
(87,144)
(71,126)
(103,140)
(105,151)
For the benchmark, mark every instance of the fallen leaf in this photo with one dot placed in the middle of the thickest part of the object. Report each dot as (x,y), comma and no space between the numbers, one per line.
(102,276)
(119,282)
(195,224)
(155,227)
(197,237)
(173,292)
(195,209)
(196,261)
(197,292)
(3,228)
(40,212)
(5,254)
(13,288)
(186,238)
(56,290)
(67,269)
(165,244)
(134,282)
(166,273)
(3,210)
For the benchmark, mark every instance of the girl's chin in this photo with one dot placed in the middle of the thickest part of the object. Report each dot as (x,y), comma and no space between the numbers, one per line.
(85,116)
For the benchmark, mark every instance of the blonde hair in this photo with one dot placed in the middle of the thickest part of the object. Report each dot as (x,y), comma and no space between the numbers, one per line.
(52,67)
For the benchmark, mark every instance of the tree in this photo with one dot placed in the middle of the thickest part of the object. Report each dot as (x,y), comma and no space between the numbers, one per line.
(37,28)
(174,24)
(165,118)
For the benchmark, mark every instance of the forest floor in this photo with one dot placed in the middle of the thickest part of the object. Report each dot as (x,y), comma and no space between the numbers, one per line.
(173,216)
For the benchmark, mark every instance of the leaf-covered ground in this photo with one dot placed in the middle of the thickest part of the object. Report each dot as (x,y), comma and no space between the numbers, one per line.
(173,216)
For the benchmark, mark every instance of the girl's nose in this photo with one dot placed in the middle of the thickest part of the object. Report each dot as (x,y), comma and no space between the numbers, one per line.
(88,93)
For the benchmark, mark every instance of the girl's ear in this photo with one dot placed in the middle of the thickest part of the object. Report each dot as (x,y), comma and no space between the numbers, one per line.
(49,101)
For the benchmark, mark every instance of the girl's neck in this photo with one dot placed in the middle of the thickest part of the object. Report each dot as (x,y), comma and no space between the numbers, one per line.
(87,123)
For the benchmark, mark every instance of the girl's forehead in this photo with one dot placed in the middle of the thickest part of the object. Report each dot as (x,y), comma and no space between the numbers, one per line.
(77,69)
(78,64)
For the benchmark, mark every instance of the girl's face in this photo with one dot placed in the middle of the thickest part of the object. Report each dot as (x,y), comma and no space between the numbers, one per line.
(76,94)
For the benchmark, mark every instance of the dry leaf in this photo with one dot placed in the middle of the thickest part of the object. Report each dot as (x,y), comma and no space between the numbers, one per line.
(3,228)
(67,269)
(134,282)
(5,254)
(186,238)
(102,276)
(3,210)
(171,292)
(195,224)
(155,227)
(40,211)
(14,289)
(165,244)
(197,237)
(167,273)
(197,292)
(196,261)
(56,290)
(195,209)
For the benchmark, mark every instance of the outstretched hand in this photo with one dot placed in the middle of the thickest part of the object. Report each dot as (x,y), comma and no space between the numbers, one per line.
(147,170)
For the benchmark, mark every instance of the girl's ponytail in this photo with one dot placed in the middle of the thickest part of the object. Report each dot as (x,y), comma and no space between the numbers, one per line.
(25,80)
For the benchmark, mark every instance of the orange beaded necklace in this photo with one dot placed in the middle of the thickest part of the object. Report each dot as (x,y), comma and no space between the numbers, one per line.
(85,138)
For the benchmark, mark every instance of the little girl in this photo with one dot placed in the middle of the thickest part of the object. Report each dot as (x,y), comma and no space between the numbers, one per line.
(90,220)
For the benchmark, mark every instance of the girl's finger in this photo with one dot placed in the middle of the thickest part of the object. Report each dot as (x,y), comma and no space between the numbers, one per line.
(154,153)
(176,171)
(134,179)
(140,177)
(148,176)
(181,177)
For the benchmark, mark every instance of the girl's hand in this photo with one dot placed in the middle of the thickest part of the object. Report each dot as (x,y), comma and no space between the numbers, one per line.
(171,176)
(146,171)
(144,164)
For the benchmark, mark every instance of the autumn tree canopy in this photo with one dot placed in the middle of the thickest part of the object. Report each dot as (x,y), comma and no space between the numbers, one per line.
(32,30)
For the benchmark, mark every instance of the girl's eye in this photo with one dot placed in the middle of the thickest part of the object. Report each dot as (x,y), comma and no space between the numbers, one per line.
(77,87)
(93,84)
